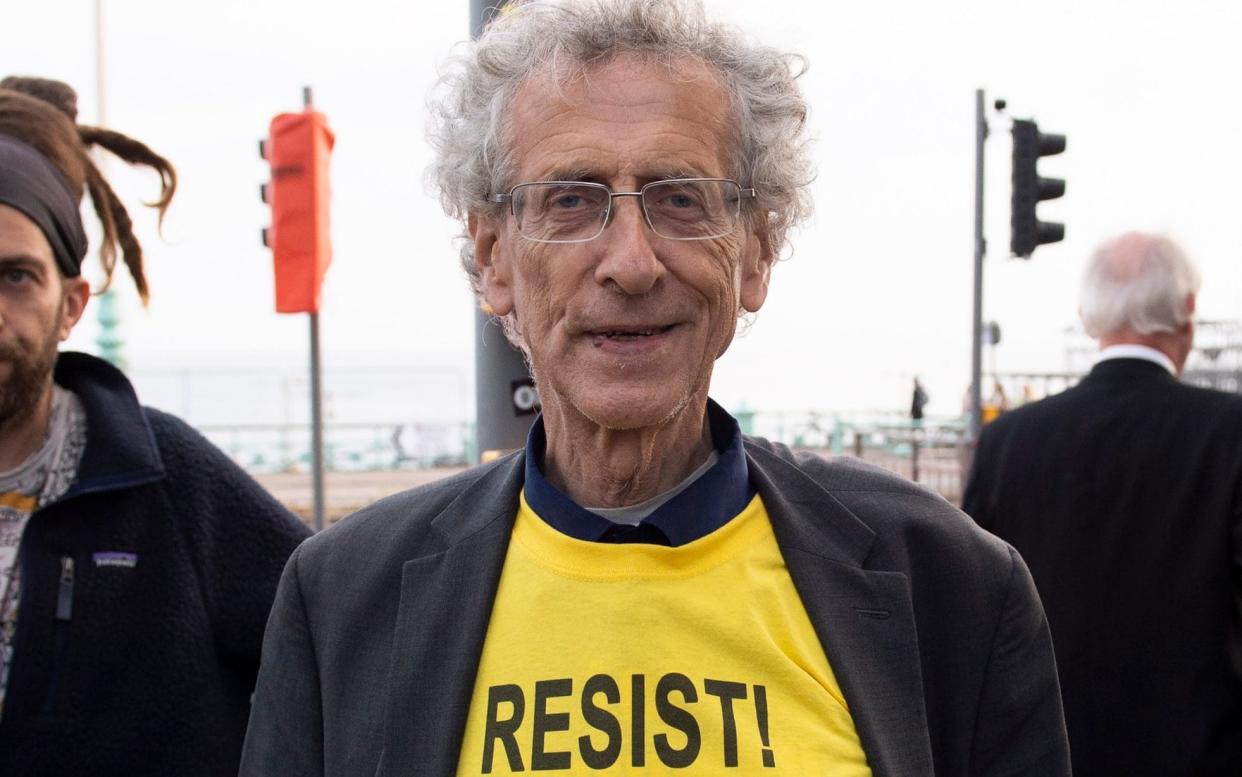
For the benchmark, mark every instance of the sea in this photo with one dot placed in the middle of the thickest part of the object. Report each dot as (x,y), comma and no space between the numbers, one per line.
(377,413)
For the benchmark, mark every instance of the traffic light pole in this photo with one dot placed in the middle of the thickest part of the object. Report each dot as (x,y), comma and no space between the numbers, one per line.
(316,421)
(316,393)
(976,333)
(297,149)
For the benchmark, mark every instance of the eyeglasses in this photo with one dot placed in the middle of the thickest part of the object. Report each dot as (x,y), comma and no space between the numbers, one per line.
(576,211)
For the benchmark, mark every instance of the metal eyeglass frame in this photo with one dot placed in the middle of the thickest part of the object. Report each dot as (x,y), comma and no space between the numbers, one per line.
(743,194)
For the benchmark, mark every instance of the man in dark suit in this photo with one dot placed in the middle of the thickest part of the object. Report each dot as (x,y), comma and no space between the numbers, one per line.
(643,587)
(1124,495)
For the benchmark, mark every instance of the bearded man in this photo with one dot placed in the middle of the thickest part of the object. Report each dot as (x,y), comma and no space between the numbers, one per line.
(137,563)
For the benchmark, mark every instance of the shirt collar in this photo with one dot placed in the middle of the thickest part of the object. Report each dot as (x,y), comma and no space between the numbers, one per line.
(704,506)
(1136,351)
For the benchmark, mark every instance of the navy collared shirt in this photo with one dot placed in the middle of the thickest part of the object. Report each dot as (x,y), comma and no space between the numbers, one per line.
(703,507)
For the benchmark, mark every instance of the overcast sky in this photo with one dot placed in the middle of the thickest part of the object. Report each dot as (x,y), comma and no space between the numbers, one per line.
(879,284)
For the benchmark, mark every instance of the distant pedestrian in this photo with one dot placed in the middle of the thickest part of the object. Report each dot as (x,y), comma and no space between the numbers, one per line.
(918,401)
(137,562)
(1124,495)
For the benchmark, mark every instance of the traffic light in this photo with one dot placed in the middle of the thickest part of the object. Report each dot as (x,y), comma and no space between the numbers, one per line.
(298,148)
(1029,189)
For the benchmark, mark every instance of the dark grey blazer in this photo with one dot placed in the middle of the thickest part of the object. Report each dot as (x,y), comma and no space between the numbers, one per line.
(932,626)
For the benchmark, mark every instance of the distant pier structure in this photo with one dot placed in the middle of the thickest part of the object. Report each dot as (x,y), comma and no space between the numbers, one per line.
(1215,362)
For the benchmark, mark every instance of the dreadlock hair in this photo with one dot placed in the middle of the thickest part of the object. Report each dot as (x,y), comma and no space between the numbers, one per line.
(43,113)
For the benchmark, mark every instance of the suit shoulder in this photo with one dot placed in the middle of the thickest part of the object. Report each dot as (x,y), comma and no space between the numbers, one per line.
(876,495)
(1051,406)
(1220,401)
(909,519)
(842,474)
(396,522)
(1183,400)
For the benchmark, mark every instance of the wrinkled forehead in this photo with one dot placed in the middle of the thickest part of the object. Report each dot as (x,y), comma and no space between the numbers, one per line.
(627,91)
(567,72)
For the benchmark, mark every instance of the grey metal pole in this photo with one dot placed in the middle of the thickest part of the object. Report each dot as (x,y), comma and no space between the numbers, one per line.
(481,12)
(316,423)
(976,333)
(110,342)
(498,366)
(316,393)
(914,456)
(101,81)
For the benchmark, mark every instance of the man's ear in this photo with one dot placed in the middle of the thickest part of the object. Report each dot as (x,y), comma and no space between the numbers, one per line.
(1188,328)
(492,261)
(77,292)
(757,261)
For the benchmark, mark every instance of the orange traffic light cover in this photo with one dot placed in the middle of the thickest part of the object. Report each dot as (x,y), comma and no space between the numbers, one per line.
(299,149)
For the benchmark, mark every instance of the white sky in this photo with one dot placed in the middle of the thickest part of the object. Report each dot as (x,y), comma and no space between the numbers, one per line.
(879,286)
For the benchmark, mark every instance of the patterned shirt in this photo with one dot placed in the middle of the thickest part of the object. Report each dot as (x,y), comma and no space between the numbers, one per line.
(40,480)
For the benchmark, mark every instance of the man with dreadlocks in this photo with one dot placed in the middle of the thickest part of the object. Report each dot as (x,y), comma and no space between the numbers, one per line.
(137,563)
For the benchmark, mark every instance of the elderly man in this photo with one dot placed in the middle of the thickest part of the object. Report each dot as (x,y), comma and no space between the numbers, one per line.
(642,589)
(1124,494)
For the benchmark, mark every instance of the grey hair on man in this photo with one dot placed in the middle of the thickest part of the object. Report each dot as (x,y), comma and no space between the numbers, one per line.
(564,40)
(1138,284)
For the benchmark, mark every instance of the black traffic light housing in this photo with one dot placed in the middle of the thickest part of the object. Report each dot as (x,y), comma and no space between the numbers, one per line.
(1029,189)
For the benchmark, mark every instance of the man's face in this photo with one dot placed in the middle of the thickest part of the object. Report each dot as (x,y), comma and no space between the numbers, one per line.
(37,311)
(624,328)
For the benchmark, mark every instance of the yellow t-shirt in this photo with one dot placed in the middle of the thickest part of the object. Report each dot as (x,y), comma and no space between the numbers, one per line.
(644,659)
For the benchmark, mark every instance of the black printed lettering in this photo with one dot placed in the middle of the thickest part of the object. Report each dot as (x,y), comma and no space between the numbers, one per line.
(761,717)
(638,720)
(600,732)
(600,718)
(504,730)
(679,719)
(728,693)
(549,721)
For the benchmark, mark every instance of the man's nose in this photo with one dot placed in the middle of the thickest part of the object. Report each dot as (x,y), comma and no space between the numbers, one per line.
(628,259)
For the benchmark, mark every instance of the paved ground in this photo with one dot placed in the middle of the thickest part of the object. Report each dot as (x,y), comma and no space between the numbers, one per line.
(345,492)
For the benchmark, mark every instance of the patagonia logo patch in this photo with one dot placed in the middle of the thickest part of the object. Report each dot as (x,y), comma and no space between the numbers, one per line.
(115,559)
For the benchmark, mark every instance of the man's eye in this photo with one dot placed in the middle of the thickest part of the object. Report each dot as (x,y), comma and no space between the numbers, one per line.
(567,201)
(17,276)
(683,199)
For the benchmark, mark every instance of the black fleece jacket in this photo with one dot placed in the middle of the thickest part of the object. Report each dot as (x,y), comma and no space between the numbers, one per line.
(145,591)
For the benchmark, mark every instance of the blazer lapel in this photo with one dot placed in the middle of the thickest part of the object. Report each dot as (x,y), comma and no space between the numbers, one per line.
(442,619)
(864,618)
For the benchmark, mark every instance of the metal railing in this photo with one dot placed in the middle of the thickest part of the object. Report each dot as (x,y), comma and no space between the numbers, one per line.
(930,452)
(348,447)
(933,454)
